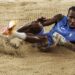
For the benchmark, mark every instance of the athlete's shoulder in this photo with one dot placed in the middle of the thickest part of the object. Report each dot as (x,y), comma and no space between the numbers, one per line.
(64,19)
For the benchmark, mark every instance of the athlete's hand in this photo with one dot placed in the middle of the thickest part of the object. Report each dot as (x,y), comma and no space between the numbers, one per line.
(41,19)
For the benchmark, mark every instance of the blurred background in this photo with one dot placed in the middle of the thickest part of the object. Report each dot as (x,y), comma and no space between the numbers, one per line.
(29,10)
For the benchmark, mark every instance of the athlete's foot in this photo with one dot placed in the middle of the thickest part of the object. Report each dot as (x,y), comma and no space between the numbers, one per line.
(9,30)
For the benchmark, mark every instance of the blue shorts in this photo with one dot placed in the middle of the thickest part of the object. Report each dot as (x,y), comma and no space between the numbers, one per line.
(47,44)
(50,39)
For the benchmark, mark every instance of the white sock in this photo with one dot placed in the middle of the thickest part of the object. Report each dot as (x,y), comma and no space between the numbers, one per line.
(20,35)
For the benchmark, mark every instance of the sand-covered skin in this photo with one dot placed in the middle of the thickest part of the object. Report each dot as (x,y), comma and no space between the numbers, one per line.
(25,59)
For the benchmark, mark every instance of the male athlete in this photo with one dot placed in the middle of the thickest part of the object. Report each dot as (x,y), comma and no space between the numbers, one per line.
(64,29)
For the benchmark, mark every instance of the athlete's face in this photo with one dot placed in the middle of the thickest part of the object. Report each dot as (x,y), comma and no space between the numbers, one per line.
(71,18)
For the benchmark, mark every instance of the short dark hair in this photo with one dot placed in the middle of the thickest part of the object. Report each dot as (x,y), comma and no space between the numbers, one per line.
(72,8)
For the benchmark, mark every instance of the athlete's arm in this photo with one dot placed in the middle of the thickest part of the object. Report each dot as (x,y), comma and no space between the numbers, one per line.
(53,20)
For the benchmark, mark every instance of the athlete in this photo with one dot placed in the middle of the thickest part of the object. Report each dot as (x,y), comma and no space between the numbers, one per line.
(64,29)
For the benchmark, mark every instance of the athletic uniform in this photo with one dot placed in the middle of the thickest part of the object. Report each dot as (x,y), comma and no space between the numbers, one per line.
(61,27)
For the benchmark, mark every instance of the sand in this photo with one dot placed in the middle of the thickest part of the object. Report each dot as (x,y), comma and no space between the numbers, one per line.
(22,58)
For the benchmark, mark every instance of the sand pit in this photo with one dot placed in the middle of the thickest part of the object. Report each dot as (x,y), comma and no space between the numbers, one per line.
(28,60)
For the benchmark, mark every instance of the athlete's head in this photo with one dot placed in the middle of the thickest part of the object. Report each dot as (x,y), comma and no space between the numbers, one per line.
(71,16)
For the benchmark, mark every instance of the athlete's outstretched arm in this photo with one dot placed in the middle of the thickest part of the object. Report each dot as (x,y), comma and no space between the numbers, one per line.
(53,20)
